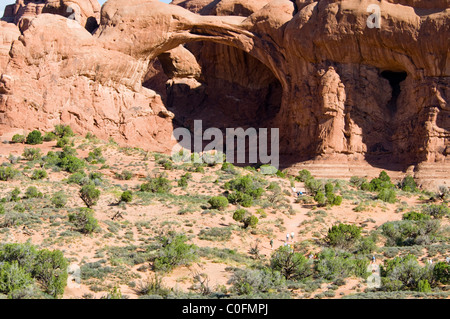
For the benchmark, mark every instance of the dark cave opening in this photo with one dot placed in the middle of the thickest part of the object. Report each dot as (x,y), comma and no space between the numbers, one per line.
(394,78)
(232,90)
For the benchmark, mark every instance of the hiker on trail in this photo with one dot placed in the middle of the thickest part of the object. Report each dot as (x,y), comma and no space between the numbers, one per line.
(287,237)
(271,243)
(373,259)
(292,236)
(294,191)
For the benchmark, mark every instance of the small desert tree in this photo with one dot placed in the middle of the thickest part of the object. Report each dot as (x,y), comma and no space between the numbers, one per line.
(126,197)
(35,137)
(90,195)
(343,235)
(84,220)
(290,264)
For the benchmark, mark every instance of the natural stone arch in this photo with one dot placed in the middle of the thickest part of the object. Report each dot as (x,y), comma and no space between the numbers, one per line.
(129,29)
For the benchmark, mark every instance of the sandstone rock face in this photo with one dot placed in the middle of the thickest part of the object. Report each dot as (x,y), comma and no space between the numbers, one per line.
(338,89)
(85,12)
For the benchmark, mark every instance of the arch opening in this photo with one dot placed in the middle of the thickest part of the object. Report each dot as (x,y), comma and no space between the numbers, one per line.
(220,85)
(394,78)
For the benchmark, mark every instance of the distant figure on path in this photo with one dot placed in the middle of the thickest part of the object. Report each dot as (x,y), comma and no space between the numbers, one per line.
(373,259)
(294,191)
(287,237)
(292,236)
(271,244)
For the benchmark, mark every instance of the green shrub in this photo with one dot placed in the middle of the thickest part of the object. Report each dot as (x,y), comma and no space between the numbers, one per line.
(320,198)
(158,185)
(166,164)
(79,178)
(384,177)
(34,138)
(84,220)
(68,151)
(125,175)
(49,136)
(95,156)
(290,264)
(7,173)
(358,181)
(62,130)
(383,181)
(71,163)
(281,174)
(212,159)
(198,168)
(387,195)
(424,286)
(39,174)
(329,188)
(250,221)
(17,138)
(303,175)
(246,185)
(90,195)
(408,184)
(13,277)
(441,273)
(182,182)
(253,281)
(174,252)
(239,215)
(126,197)
(228,168)
(437,211)
(51,159)
(51,271)
(218,202)
(32,154)
(366,245)
(49,268)
(337,201)
(59,199)
(32,192)
(343,235)
(14,195)
(410,232)
(332,265)
(415,216)
(240,198)
(215,234)
(62,142)
(403,273)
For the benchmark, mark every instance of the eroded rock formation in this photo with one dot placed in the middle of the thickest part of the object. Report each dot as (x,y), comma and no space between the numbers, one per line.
(336,88)
(85,12)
